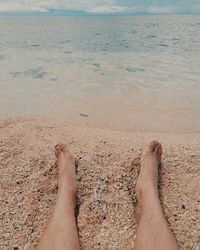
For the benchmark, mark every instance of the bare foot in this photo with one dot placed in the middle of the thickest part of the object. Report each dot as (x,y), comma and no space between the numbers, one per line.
(148,178)
(66,166)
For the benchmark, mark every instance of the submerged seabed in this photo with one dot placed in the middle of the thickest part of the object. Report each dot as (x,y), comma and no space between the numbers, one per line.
(127,73)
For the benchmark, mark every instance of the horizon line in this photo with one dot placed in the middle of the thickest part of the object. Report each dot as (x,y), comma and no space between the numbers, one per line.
(80,13)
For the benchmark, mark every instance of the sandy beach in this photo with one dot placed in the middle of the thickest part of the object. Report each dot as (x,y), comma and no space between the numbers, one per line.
(105,86)
(106,177)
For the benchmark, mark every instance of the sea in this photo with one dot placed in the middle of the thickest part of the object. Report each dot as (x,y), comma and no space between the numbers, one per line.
(129,73)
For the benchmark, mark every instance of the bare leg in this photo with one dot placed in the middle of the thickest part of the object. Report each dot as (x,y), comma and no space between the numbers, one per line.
(153,231)
(61,232)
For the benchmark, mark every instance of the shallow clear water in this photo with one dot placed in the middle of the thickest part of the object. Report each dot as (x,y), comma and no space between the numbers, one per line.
(129,73)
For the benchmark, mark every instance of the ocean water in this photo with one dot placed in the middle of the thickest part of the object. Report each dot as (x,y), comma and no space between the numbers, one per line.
(134,73)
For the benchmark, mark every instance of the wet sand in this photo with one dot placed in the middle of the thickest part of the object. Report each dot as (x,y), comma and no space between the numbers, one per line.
(106,177)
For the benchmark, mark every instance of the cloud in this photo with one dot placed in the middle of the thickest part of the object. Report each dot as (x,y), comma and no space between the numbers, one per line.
(90,6)
(157,9)
(163,10)
(19,6)
(102,6)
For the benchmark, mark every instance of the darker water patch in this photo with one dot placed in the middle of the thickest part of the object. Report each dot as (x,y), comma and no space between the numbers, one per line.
(37,73)
(125,44)
(132,69)
(175,39)
(68,52)
(63,42)
(151,25)
(15,74)
(164,45)
(152,36)
(35,45)
(97,65)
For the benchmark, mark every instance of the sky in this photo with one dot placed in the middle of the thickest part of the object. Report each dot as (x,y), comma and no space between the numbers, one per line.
(101,6)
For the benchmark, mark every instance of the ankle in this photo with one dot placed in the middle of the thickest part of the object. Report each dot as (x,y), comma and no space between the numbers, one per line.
(69,189)
(67,182)
(67,196)
(148,199)
(146,193)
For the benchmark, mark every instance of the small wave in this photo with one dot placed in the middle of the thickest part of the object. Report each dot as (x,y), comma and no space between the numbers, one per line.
(35,73)
(63,42)
(15,74)
(130,69)
(97,65)
(175,39)
(164,45)
(151,36)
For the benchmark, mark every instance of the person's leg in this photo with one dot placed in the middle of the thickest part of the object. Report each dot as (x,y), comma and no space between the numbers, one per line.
(61,232)
(153,230)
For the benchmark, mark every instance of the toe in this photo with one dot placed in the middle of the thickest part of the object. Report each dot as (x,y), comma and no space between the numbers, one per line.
(57,147)
(58,150)
(158,150)
(64,147)
(152,146)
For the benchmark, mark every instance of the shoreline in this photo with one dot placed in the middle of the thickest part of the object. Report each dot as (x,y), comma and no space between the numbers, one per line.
(77,124)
